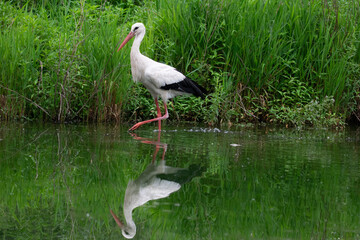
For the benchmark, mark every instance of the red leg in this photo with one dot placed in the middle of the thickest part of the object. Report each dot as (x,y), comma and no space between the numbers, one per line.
(166,115)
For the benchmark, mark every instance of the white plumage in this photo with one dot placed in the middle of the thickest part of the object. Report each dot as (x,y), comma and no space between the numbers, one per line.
(160,79)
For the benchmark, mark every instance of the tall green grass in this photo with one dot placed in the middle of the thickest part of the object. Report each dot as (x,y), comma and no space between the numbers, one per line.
(261,60)
(62,58)
(278,53)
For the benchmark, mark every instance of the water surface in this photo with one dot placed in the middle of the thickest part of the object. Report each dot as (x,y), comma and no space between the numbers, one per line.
(60,181)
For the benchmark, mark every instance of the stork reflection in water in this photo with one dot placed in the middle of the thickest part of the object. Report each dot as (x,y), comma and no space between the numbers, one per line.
(155,182)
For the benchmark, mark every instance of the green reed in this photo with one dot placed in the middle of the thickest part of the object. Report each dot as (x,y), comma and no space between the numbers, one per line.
(63,58)
(260,60)
(283,52)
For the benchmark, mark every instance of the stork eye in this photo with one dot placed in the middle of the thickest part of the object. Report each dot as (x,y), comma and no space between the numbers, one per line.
(136,28)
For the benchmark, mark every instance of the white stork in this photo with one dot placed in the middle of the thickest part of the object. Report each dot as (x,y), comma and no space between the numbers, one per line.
(160,79)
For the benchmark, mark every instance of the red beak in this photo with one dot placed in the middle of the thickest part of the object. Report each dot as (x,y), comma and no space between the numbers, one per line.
(128,37)
(117,220)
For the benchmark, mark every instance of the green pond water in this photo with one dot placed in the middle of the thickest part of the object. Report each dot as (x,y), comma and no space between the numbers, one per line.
(61,181)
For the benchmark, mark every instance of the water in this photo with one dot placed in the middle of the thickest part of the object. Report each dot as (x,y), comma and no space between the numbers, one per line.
(61,181)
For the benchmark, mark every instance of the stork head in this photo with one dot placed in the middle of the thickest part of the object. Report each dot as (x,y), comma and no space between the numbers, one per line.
(128,231)
(136,29)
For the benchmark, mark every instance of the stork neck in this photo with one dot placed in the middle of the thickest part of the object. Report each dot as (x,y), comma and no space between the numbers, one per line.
(135,49)
(129,220)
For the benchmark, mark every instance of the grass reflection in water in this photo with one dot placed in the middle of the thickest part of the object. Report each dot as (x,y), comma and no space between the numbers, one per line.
(59,181)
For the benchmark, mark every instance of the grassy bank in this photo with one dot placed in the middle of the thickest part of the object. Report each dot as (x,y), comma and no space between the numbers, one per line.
(289,62)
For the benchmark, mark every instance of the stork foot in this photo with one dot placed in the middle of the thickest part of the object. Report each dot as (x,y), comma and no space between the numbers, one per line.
(135,127)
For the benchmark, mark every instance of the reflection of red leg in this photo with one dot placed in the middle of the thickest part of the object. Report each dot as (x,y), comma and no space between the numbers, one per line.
(158,112)
(166,115)
(157,147)
(163,155)
(157,144)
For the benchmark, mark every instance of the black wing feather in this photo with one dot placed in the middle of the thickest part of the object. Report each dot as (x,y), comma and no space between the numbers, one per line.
(188,86)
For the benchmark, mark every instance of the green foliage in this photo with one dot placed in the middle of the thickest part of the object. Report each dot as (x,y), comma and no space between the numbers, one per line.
(59,59)
(316,113)
(63,60)
(287,53)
